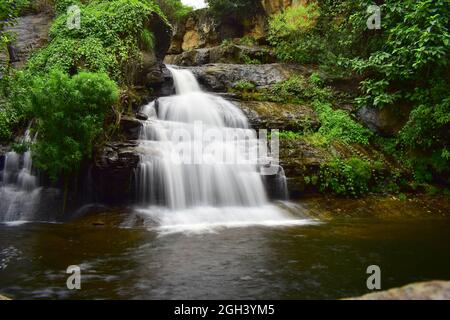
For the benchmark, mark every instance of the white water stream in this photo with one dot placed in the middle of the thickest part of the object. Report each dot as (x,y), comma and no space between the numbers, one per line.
(19,190)
(207,192)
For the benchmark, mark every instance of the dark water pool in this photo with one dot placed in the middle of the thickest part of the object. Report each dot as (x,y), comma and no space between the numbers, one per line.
(325,261)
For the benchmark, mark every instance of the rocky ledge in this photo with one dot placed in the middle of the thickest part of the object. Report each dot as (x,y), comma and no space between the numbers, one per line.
(281,116)
(236,54)
(433,290)
(220,77)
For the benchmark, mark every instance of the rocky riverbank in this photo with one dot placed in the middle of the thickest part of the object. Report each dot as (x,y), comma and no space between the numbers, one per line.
(433,290)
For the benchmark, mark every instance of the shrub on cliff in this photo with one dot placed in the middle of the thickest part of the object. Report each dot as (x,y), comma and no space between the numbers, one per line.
(70,112)
(174,10)
(411,67)
(110,38)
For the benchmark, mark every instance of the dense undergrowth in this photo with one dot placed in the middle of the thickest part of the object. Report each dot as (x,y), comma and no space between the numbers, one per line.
(404,65)
(71,86)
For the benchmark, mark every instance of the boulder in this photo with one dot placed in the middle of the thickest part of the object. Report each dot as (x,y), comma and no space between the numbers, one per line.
(198,30)
(234,54)
(221,77)
(281,116)
(433,290)
(130,127)
(386,121)
(300,159)
(113,173)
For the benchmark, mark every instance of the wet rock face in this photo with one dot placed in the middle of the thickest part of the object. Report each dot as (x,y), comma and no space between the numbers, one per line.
(385,121)
(113,173)
(31,33)
(198,30)
(271,115)
(221,77)
(130,127)
(433,290)
(300,159)
(221,54)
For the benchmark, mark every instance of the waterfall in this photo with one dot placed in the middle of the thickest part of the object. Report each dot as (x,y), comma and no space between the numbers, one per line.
(204,191)
(19,190)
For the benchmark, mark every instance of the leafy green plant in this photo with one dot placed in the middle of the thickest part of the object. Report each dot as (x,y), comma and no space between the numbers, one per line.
(246,59)
(14,101)
(298,89)
(226,43)
(247,41)
(338,125)
(244,85)
(346,177)
(174,10)
(110,39)
(410,67)
(147,39)
(70,112)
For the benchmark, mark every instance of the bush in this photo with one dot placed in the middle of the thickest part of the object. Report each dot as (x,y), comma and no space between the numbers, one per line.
(346,177)
(70,112)
(320,32)
(338,125)
(298,89)
(411,68)
(14,101)
(110,38)
(244,85)
(174,10)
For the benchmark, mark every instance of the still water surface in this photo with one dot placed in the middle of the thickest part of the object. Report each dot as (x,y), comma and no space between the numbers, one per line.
(321,261)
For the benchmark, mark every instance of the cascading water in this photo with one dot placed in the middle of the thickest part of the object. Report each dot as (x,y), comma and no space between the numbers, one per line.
(207,191)
(19,190)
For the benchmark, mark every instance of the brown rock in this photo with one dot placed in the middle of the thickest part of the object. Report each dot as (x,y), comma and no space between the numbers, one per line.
(433,290)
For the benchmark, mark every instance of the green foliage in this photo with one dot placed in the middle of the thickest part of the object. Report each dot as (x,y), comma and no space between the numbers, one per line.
(226,43)
(174,10)
(244,85)
(346,177)
(110,38)
(147,39)
(298,89)
(20,148)
(338,125)
(246,59)
(14,101)
(289,135)
(321,32)
(234,9)
(289,33)
(247,41)
(410,67)
(70,112)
